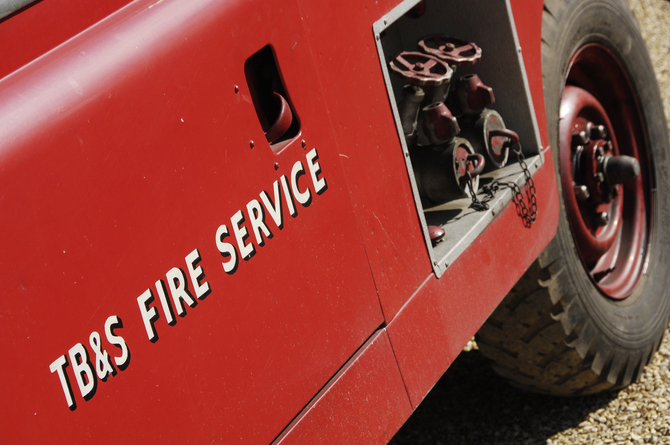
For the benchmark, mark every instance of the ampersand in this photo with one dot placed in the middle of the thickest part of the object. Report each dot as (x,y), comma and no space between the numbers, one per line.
(103,366)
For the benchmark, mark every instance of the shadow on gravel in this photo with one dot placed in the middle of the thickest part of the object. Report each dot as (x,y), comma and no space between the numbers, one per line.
(472,405)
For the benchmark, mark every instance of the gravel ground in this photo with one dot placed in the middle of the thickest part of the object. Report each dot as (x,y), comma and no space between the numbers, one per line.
(473,405)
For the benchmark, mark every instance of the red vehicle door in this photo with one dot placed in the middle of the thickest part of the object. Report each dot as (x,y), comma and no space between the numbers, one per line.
(166,267)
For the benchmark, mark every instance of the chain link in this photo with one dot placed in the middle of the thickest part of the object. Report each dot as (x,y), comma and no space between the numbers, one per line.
(529,215)
(478,205)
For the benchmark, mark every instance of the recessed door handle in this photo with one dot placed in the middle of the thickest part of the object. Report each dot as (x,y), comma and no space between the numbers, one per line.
(283,122)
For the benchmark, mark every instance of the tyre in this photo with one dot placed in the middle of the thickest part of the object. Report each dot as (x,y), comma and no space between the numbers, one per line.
(589,313)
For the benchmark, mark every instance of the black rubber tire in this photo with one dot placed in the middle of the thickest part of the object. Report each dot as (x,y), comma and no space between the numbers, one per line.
(555,332)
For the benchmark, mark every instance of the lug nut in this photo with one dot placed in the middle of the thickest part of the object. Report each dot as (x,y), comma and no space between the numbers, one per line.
(602,218)
(580,138)
(597,132)
(582,192)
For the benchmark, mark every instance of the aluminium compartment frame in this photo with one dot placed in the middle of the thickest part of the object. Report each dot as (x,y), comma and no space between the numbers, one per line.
(490,25)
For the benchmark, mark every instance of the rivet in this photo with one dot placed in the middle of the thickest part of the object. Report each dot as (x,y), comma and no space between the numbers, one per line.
(276,165)
(251,144)
(304,144)
(237,89)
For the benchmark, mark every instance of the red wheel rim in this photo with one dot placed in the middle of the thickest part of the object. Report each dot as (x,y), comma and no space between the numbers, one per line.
(611,227)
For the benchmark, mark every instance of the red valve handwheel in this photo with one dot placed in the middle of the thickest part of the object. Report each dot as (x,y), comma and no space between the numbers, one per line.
(420,69)
(452,50)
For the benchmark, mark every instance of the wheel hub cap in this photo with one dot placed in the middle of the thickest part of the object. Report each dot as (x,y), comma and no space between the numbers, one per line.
(605,171)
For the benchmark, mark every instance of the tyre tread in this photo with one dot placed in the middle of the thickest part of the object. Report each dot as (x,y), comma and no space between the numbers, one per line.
(542,337)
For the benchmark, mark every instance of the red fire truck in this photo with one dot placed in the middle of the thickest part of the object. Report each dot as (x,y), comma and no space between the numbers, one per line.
(280,221)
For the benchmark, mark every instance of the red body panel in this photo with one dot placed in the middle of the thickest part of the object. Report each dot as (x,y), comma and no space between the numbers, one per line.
(106,205)
(367,399)
(30,33)
(124,150)
(528,21)
(366,135)
(430,331)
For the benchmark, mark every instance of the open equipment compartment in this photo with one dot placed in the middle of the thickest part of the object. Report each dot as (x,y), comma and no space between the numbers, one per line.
(490,25)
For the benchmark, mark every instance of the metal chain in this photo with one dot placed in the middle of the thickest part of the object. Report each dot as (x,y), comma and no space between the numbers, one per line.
(528,215)
(476,203)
